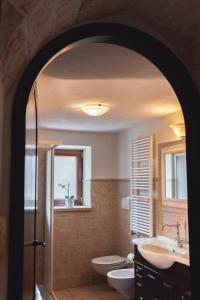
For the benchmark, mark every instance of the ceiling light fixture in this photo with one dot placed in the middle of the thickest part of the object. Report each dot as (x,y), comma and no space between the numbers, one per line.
(179,129)
(95,109)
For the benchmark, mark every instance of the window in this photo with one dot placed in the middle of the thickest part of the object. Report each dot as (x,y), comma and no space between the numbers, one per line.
(175,179)
(173,174)
(68,176)
(72,168)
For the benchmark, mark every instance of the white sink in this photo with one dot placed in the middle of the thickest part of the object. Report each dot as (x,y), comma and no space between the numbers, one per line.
(158,255)
(162,252)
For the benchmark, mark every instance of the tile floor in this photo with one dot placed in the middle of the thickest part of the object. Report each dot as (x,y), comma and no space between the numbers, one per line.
(93,292)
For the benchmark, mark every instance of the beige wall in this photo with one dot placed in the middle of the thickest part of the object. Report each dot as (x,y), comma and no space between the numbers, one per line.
(162,133)
(104,145)
(159,128)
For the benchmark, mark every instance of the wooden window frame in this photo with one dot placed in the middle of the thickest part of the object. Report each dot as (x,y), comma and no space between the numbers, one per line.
(79,156)
(164,148)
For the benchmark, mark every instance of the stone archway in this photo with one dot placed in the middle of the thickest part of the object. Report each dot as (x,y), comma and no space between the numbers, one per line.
(171,68)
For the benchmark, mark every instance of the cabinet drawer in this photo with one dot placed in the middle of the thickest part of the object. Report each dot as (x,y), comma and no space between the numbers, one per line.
(138,278)
(139,270)
(139,291)
(169,291)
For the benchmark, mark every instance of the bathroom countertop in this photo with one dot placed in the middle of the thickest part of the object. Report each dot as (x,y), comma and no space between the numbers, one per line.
(181,254)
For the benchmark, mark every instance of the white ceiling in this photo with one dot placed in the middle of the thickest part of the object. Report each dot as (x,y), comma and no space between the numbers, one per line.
(101,73)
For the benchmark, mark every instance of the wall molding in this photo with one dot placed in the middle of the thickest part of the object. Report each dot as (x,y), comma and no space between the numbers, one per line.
(175,211)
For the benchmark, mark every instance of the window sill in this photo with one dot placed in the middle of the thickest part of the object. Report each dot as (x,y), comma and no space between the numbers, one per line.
(72,209)
(175,203)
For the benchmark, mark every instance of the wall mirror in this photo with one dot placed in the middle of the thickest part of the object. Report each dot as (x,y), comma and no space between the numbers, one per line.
(173,174)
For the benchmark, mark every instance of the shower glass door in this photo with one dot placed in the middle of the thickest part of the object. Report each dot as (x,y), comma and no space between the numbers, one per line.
(30,200)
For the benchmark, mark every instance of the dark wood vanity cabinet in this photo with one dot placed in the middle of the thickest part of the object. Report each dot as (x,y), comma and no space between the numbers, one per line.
(155,284)
(146,283)
(187,296)
(168,291)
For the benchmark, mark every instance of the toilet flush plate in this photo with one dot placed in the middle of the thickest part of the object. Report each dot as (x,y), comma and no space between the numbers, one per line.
(125,203)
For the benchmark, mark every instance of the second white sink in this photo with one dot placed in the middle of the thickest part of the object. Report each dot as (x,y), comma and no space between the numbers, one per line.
(158,255)
(162,252)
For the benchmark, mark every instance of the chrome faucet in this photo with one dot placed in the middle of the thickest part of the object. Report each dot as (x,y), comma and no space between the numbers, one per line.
(177,225)
(133,233)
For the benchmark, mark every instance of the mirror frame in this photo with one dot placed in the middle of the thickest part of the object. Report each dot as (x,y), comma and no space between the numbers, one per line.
(170,147)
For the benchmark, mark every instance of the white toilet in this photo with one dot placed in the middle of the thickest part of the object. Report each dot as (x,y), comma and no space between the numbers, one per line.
(104,264)
(119,271)
(123,281)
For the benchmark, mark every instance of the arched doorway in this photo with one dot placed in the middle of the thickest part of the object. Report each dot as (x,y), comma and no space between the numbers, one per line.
(171,68)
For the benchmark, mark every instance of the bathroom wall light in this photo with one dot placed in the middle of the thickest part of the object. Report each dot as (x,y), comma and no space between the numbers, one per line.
(179,129)
(95,109)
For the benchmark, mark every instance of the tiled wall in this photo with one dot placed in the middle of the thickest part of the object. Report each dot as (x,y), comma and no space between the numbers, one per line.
(162,215)
(104,230)
(81,236)
(124,245)
(170,215)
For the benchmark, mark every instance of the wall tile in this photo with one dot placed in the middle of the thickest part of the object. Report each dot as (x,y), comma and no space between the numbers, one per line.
(81,236)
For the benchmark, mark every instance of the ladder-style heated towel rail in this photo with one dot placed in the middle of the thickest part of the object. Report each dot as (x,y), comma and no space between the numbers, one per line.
(141,215)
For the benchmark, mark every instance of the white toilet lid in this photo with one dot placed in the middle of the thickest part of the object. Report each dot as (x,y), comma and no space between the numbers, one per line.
(109,260)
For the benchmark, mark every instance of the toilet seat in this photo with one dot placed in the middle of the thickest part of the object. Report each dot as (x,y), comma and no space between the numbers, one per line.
(104,264)
(122,273)
(123,281)
(111,260)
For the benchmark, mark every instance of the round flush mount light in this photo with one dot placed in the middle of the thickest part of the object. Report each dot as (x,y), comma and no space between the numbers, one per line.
(95,109)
